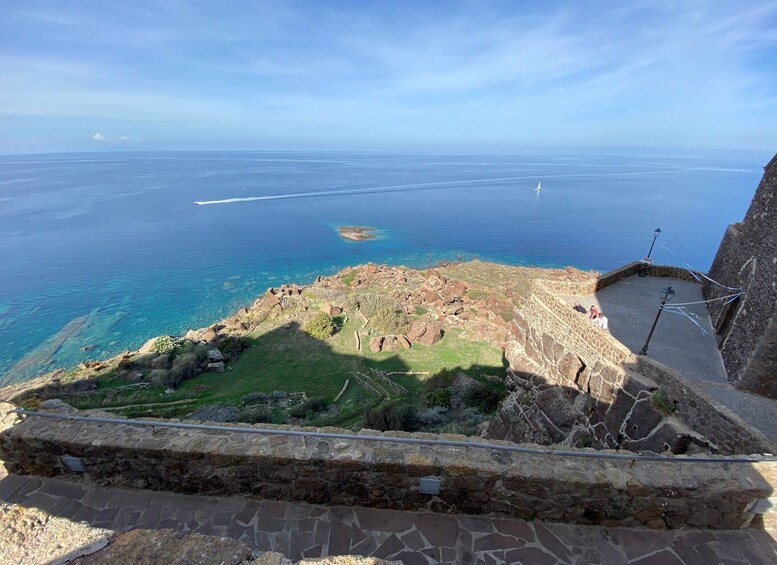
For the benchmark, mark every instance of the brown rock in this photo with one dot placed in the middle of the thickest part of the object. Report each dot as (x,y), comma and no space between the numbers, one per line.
(432,335)
(210,336)
(417,329)
(403,341)
(376,344)
(390,343)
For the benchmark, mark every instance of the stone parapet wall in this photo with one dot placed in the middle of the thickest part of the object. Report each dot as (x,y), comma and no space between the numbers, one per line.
(552,315)
(387,475)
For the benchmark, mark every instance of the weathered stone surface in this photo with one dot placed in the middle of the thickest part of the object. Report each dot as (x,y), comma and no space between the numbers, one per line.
(215,356)
(210,336)
(169,547)
(30,535)
(215,367)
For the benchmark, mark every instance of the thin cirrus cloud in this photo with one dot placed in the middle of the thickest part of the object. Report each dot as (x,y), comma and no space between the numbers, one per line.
(308,74)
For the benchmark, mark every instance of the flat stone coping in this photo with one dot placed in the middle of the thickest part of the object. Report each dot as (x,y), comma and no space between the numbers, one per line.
(304,530)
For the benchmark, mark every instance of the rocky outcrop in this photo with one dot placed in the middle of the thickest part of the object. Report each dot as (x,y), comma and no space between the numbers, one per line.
(424,333)
(389,343)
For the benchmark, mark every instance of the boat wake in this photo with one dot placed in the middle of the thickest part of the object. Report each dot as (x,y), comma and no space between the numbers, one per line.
(414,187)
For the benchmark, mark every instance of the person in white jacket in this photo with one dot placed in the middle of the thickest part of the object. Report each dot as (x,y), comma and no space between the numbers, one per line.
(601,321)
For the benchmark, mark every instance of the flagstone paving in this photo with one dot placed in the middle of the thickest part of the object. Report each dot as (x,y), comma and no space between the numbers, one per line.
(303,530)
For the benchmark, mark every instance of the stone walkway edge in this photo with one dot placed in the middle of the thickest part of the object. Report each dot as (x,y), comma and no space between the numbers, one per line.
(307,531)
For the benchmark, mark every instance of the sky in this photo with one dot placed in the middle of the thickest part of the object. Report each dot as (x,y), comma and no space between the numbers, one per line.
(175,74)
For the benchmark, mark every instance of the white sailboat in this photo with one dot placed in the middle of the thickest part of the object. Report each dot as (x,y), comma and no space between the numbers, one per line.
(539,187)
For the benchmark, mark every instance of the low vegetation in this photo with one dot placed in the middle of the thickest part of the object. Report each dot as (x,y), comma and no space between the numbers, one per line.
(661,402)
(321,326)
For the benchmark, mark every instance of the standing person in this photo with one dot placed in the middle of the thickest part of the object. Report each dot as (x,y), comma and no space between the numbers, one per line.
(593,312)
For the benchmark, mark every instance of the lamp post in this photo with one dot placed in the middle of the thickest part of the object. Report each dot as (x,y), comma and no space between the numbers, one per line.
(666,295)
(656,233)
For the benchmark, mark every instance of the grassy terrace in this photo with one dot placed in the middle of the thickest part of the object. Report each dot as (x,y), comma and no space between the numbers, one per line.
(282,357)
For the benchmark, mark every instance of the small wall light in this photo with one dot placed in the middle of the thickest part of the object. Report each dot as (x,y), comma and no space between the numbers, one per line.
(73,464)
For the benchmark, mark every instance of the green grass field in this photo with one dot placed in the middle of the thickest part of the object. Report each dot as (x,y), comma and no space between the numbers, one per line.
(283,357)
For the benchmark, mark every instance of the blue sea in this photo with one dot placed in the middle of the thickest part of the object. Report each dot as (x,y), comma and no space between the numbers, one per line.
(108,249)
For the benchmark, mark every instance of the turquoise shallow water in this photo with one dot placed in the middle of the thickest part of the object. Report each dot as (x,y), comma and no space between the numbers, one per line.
(109,249)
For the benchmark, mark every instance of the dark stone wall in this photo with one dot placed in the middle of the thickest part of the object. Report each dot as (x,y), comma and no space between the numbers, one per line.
(357,472)
(747,259)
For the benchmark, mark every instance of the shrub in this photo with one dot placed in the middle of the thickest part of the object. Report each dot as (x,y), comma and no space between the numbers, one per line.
(485,398)
(391,320)
(432,417)
(440,397)
(200,353)
(309,408)
(158,377)
(458,428)
(277,395)
(184,367)
(255,415)
(386,315)
(321,326)
(443,379)
(254,398)
(231,346)
(165,344)
(584,440)
(661,402)
(392,416)
(161,362)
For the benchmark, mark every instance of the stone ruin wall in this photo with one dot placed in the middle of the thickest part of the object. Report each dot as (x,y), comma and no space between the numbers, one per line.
(608,388)
(747,259)
(387,475)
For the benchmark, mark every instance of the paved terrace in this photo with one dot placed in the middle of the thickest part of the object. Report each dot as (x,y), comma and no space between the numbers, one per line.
(302,530)
(631,305)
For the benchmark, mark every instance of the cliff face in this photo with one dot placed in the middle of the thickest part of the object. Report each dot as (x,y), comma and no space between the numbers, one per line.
(746,263)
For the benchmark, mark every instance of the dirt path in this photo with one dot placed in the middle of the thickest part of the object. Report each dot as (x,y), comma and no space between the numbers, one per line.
(149,405)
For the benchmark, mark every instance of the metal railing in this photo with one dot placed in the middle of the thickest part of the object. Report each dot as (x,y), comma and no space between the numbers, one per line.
(410,440)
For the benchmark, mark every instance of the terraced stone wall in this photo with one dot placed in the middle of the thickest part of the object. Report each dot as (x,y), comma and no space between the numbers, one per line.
(356,472)
(720,425)
(564,349)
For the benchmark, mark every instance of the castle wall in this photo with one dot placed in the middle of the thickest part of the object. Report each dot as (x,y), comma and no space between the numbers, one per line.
(387,474)
(747,259)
